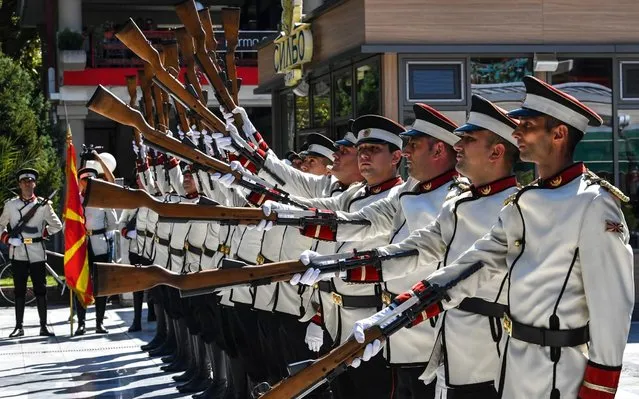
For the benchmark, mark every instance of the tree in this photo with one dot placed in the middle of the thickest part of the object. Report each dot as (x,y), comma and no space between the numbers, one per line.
(26,131)
(19,43)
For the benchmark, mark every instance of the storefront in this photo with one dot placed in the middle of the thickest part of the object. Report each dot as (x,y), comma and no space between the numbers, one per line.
(373,56)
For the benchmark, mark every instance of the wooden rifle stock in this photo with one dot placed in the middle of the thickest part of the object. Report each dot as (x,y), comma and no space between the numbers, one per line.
(188,15)
(172,64)
(209,33)
(321,370)
(132,87)
(231,24)
(185,42)
(108,105)
(112,278)
(146,82)
(101,194)
(134,39)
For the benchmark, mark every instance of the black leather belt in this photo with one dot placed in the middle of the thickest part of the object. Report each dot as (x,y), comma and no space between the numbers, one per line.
(140,232)
(193,249)
(33,240)
(209,252)
(96,232)
(324,286)
(149,234)
(544,336)
(176,251)
(482,307)
(162,241)
(350,301)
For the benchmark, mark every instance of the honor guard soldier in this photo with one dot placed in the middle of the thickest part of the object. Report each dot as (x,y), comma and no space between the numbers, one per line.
(562,241)
(348,298)
(430,158)
(465,350)
(100,224)
(26,221)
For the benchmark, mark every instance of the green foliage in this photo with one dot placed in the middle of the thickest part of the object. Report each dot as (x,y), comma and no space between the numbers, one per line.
(69,40)
(26,133)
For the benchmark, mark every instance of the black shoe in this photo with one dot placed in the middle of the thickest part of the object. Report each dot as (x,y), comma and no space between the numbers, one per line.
(187,375)
(162,350)
(175,366)
(44,332)
(17,332)
(168,359)
(135,327)
(150,315)
(217,390)
(99,329)
(197,384)
(154,343)
(81,330)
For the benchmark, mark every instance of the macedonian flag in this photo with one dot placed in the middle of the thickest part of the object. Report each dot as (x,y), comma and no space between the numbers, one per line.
(76,259)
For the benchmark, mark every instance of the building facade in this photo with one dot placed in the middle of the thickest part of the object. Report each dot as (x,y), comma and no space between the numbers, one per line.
(73,75)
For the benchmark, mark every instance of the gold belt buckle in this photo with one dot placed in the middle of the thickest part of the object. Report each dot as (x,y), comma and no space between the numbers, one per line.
(508,325)
(27,240)
(156,238)
(186,246)
(387,298)
(225,249)
(337,299)
(260,259)
(89,232)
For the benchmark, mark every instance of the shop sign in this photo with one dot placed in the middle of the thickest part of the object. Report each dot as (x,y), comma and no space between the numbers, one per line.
(294,46)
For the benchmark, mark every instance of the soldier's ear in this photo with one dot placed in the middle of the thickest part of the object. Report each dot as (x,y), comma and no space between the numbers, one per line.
(499,150)
(397,157)
(559,132)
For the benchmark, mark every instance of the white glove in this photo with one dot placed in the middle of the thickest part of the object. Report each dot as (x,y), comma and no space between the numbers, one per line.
(15,241)
(360,326)
(314,337)
(247,125)
(136,149)
(180,134)
(228,179)
(195,136)
(223,142)
(370,351)
(131,234)
(312,275)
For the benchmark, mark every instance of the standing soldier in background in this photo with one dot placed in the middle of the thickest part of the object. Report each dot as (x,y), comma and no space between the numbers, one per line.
(27,251)
(99,223)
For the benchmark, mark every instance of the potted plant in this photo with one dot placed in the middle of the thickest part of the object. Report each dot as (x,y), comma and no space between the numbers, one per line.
(71,46)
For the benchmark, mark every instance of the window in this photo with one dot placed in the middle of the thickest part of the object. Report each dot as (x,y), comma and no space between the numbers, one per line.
(629,80)
(434,81)
(302,113)
(498,70)
(368,91)
(321,101)
(343,89)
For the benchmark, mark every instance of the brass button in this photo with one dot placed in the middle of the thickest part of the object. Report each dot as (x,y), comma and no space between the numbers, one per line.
(517,243)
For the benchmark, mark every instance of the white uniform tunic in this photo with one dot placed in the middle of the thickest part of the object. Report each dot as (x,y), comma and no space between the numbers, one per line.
(44,218)
(162,236)
(564,244)
(413,207)
(339,320)
(126,217)
(96,220)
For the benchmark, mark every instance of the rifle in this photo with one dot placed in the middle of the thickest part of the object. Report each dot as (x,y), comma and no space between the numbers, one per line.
(145,77)
(172,64)
(185,42)
(134,39)
(108,105)
(188,15)
(101,194)
(22,223)
(231,24)
(312,375)
(209,33)
(112,279)
(131,84)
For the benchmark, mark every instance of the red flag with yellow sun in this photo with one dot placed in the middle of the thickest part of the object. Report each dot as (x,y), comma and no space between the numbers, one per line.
(76,258)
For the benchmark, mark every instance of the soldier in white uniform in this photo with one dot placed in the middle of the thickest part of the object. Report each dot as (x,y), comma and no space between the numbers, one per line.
(358,293)
(563,242)
(27,250)
(100,223)
(467,337)
(431,165)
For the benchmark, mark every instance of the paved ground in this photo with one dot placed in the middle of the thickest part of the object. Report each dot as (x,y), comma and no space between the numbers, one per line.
(112,366)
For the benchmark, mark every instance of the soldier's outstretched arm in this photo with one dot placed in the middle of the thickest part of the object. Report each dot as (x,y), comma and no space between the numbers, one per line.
(380,213)
(297,182)
(607,273)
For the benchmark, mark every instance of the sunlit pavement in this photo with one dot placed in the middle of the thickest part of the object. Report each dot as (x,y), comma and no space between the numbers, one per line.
(112,366)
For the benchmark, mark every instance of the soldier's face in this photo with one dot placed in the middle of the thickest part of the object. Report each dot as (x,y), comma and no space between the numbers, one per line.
(474,151)
(82,183)
(533,140)
(314,165)
(344,161)
(189,184)
(376,160)
(297,163)
(27,186)
(418,153)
